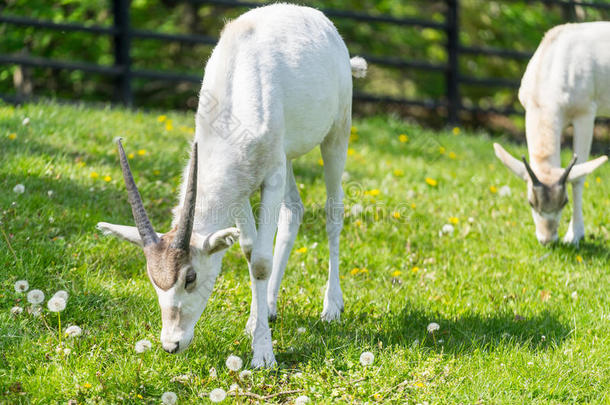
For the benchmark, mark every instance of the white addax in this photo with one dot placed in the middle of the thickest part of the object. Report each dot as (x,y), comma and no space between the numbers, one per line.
(277,85)
(567,81)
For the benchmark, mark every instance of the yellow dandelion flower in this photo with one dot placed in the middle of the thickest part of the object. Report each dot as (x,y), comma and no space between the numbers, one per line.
(396,273)
(579,258)
(493,189)
(107,178)
(431,182)
(454,220)
(302,249)
(94,175)
(456,130)
(86,385)
(354,271)
(415,269)
(419,383)
(130,156)
(320,162)
(139,396)
(452,155)
(358,223)
(350,152)
(403,138)
(364,270)
(586,184)
(353,130)
(142,152)
(377,396)
(12,136)
(442,150)
(399,172)
(396,214)
(598,180)
(413,205)
(374,192)
(161,118)
(168,125)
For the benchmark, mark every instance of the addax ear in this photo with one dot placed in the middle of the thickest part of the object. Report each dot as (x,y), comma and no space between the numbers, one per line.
(216,241)
(582,169)
(128,233)
(515,165)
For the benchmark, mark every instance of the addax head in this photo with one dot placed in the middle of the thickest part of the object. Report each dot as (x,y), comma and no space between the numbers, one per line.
(182,265)
(548,198)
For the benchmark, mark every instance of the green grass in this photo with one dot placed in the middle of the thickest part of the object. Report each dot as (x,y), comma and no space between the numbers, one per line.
(510,329)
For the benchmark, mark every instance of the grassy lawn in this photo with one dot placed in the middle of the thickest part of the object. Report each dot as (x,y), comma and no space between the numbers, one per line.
(519,323)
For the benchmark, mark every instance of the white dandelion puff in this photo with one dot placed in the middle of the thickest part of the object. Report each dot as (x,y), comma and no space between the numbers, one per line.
(212,373)
(169,398)
(19,189)
(182,379)
(26,121)
(16,310)
(447,229)
(234,388)
(302,400)
(50,193)
(73,331)
(301,330)
(504,191)
(234,363)
(67,351)
(470,219)
(218,395)
(297,375)
(22,286)
(433,327)
(143,345)
(245,375)
(367,358)
(35,297)
(61,294)
(574,295)
(56,304)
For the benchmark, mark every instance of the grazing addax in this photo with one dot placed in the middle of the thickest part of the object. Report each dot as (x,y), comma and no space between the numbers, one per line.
(567,81)
(278,83)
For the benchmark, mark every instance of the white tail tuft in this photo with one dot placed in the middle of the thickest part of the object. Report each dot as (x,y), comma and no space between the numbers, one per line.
(359,66)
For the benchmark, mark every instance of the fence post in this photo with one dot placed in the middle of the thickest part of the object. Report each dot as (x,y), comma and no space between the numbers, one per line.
(122,44)
(452,75)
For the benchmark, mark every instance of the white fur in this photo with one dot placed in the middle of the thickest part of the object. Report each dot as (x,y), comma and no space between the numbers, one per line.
(567,81)
(277,85)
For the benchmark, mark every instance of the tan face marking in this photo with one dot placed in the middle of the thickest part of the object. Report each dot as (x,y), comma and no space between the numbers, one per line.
(163,262)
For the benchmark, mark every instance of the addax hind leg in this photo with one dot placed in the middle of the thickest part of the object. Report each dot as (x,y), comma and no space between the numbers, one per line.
(272,193)
(291,215)
(583,136)
(334,154)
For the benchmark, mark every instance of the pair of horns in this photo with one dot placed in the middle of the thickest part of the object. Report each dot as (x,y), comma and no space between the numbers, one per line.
(562,180)
(145,228)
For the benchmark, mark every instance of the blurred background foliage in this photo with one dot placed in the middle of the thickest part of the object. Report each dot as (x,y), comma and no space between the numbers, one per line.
(514,25)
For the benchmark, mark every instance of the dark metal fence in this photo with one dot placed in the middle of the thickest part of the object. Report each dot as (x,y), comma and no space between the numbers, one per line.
(123,72)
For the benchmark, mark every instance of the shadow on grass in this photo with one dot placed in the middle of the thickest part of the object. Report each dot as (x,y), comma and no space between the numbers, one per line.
(587,248)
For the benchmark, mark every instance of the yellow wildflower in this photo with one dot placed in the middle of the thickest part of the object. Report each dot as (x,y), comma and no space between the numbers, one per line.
(431,182)
(161,118)
(586,184)
(396,214)
(364,270)
(456,131)
(413,205)
(354,271)
(374,192)
(107,178)
(358,223)
(403,138)
(86,385)
(12,136)
(441,150)
(353,129)
(452,155)
(396,273)
(419,383)
(454,220)
(302,249)
(142,152)
(415,269)
(130,156)
(493,189)
(579,258)
(139,396)
(399,172)
(320,162)
(168,125)
(350,152)
(598,180)
(94,175)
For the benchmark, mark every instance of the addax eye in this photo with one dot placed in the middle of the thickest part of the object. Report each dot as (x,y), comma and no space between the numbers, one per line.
(191,276)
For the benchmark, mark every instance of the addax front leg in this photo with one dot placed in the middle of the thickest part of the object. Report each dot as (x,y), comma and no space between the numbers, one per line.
(576,229)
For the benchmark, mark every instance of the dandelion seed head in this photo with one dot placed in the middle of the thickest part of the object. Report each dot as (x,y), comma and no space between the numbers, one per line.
(56,304)
(303,399)
(447,229)
(234,388)
(35,297)
(73,331)
(504,191)
(169,398)
(61,294)
(245,375)
(233,362)
(67,351)
(301,330)
(212,373)
(16,310)
(433,327)
(22,286)
(367,358)
(217,395)
(143,345)
(19,189)
(574,295)
(26,121)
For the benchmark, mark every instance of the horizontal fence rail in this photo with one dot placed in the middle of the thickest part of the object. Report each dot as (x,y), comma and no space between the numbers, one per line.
(123,73)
